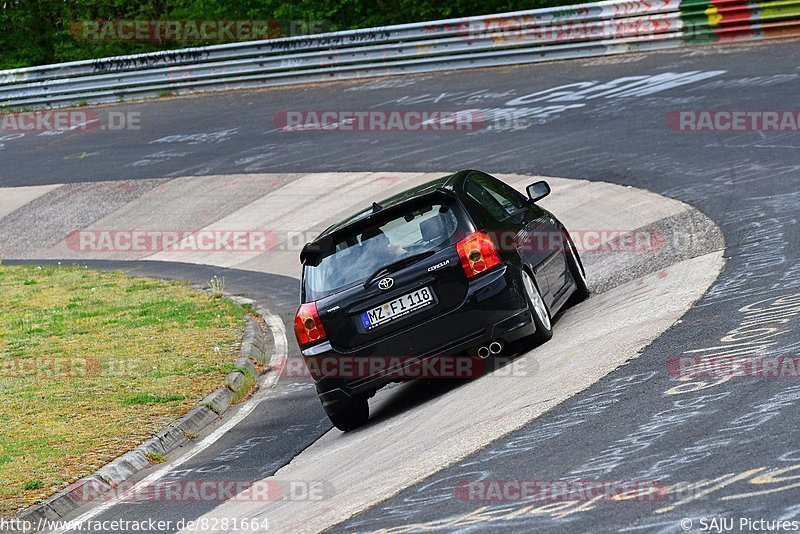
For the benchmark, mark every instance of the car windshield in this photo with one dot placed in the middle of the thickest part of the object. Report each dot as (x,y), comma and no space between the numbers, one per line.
(360,253)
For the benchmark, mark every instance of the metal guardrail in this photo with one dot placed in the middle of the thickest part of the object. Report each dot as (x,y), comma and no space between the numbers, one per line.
(582,30)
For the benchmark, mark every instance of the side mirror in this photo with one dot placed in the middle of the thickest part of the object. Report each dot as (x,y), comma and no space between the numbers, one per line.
(538,191)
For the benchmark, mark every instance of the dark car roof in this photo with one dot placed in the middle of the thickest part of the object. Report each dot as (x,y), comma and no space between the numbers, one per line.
(447,184)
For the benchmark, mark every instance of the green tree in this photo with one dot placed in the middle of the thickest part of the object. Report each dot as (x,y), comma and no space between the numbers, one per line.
(37,32)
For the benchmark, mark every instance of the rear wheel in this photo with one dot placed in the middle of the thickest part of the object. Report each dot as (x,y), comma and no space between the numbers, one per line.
(581,289)
(352,415)
(538,309)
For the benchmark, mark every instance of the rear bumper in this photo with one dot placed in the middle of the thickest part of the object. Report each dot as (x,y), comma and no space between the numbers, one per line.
(494,308)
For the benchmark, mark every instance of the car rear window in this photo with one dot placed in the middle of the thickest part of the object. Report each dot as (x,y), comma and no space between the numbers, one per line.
(359,252)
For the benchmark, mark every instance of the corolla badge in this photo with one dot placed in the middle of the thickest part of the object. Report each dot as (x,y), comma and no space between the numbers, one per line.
(438,265)
(385,283)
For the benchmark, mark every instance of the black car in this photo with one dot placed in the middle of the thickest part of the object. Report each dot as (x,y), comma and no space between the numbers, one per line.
(457,267)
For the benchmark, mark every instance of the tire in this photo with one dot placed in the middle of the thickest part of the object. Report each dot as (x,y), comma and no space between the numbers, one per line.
(352,415)
(576,271)
(538,309)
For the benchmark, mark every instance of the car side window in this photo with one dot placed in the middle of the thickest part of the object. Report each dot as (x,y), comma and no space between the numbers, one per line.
(484,200)
(499,199)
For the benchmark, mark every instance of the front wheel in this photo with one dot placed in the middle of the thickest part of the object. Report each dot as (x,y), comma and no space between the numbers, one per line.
(352,415)
(538,309)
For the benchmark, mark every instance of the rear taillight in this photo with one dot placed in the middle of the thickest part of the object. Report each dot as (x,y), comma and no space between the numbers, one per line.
(477,253)
(307,326)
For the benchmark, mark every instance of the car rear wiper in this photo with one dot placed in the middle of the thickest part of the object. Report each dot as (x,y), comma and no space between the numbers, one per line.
(408,260)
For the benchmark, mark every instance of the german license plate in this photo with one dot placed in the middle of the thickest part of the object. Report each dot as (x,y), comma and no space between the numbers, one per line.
(394,309)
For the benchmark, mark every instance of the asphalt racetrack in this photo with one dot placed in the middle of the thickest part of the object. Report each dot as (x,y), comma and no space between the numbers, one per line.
(601,401)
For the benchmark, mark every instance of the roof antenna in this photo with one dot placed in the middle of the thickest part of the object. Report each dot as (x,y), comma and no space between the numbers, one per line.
(376,207)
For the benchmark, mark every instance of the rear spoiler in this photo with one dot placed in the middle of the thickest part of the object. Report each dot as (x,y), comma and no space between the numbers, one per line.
(304,252)
(309,249)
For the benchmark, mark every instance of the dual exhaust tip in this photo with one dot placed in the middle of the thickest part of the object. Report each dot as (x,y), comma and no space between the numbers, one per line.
(493,348)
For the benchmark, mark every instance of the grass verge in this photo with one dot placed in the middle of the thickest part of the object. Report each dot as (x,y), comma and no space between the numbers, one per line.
(93,363)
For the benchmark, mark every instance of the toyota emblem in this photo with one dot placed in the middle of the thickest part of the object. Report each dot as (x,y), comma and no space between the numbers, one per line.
(385,283)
